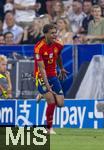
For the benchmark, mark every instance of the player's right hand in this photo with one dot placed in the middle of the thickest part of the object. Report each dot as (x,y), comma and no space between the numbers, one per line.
(50,89)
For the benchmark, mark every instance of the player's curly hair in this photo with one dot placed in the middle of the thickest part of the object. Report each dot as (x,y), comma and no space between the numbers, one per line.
(48,27)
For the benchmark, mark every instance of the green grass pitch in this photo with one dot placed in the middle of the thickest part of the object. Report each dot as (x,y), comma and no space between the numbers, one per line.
(78,139)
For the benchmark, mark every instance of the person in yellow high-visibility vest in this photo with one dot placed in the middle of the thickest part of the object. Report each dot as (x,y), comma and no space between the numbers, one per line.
(5,81)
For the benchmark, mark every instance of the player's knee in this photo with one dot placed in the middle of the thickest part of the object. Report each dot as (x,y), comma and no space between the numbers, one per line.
(60,104)
(60,100)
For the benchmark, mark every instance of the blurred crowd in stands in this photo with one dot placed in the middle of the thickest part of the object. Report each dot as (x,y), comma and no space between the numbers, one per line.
(77,21)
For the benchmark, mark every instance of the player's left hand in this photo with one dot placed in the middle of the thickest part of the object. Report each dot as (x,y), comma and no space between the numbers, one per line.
(63,74)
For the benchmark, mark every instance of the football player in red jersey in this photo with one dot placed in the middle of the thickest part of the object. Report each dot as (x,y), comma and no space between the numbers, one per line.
(47,56)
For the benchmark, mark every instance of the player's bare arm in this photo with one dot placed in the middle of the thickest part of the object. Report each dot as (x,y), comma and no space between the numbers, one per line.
(43,73)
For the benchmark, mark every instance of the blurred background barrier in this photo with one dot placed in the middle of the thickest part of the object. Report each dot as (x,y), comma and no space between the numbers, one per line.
(23,82)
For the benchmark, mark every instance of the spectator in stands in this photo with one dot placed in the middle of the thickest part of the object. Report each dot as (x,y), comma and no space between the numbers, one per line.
(9,6)
(78,39)
(32,34)
(94,2)
(65,36)
(9,1)
(67,3)
(101,3)
(5,81)
(76,16)
(25,11)
(87,6)
(49,6)
(2,39)
(2,2)
(43,9)
(45,19)
(13,27)
(96,27)
(9,38)
(58,10)
(1,26)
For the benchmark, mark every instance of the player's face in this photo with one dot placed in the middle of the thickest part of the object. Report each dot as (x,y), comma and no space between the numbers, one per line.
(51,35)
(3,66)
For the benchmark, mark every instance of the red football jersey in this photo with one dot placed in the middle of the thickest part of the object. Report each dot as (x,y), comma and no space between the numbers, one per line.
(48,54)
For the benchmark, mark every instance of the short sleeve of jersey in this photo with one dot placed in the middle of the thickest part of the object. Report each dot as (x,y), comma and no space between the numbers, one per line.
(38,52)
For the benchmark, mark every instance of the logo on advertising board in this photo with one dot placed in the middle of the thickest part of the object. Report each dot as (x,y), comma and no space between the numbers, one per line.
(26,113)
(74,114)
(7,113)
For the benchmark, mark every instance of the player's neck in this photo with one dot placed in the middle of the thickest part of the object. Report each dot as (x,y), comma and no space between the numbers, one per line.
(48,41)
